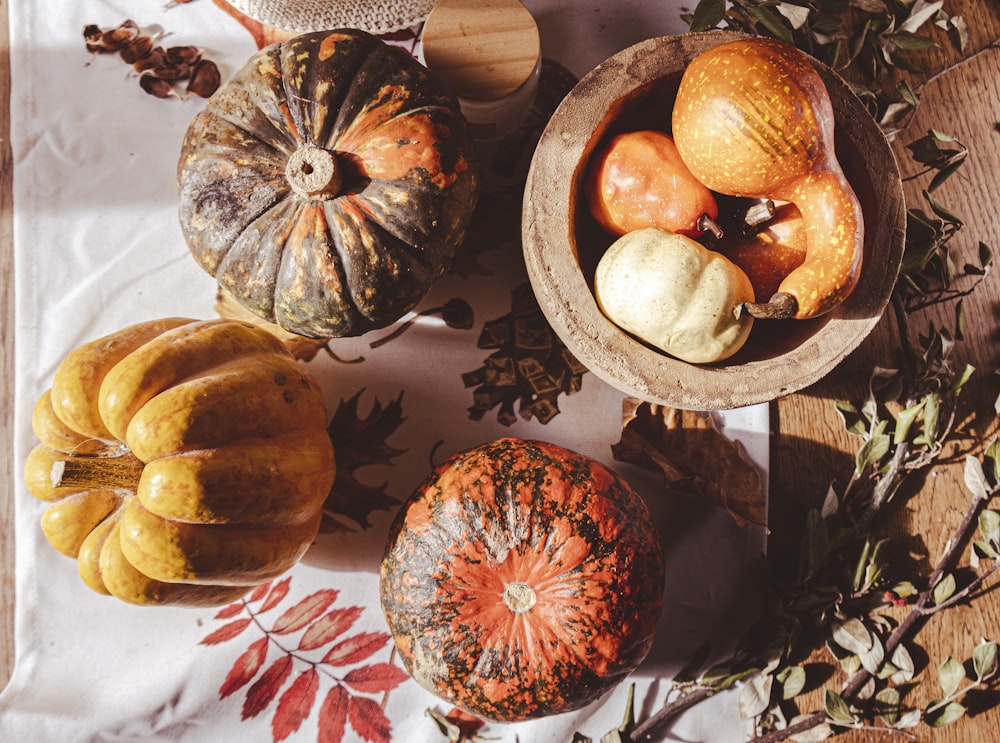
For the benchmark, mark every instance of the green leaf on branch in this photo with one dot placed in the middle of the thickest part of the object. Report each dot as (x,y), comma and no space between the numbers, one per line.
(942,716)
(984,660)
(943,589)
(951,674)
(837,709)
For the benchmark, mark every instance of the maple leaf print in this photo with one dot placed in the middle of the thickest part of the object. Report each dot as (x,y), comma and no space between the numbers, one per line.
(359,442)
(316,658)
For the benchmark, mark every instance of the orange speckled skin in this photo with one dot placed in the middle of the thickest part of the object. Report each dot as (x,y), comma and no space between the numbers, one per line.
(532,513)
(181,461)
(638,180)
(753,118)
(354,260)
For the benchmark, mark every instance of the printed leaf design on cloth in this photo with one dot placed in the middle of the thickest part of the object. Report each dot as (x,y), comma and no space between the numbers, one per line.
(325,665)
(358,442)
(530,368)
(693,456)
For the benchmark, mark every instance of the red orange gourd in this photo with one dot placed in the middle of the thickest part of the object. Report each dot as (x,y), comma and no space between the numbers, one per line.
(638,180)
(522,580)
(753,118)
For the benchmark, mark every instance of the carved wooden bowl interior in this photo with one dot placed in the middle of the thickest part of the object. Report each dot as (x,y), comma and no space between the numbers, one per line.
(562,243)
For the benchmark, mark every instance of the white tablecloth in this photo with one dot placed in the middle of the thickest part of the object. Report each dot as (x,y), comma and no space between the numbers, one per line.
(98,247)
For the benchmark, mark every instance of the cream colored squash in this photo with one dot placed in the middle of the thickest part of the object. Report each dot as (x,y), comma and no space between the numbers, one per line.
(675,294)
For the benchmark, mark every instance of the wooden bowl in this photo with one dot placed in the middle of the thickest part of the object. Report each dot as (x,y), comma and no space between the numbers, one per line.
(562,243)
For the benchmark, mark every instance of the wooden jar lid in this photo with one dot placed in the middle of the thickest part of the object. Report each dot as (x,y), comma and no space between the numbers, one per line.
(482,50)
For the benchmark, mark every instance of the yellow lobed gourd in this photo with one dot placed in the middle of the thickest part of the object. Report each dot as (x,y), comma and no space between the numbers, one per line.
(183,461)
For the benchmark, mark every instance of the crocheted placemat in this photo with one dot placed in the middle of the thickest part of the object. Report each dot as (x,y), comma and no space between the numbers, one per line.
(301,16)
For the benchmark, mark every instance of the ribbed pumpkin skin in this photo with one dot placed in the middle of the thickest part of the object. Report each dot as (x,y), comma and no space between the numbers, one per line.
(363,253)
(183,461)
(578,547)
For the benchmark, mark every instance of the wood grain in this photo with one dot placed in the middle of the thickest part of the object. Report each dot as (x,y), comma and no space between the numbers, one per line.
(6,363)
(811,449)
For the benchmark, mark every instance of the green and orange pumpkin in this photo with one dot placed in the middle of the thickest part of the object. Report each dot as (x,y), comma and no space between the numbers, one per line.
(328,184)
(522,580)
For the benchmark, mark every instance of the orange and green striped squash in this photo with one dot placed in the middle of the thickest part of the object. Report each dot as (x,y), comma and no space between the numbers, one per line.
(522,580)
(327,185)
(181,461)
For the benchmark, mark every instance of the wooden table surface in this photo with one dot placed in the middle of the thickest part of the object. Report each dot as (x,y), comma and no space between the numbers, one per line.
(809,447)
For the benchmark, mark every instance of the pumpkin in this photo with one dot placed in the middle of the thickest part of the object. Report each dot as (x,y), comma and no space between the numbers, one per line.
(328,184)
(675,294)
(638,180)
(753,118)
(521,579)
(181,461)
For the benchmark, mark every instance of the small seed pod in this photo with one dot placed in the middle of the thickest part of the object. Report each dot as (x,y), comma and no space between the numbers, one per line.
(188,55)
(138,49)
(156,86)
(205,78)
(171,71)
(154,59)
(121,36)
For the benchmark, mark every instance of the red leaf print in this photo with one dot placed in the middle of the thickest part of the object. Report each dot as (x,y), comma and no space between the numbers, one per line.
(294,705)
(330,626)
(258,593)
(333,716)
(245,668)
(368,720)
(355,649)
(226,632)
(375,678)
(230,611)
(298,616)
(266,687)
(279,592)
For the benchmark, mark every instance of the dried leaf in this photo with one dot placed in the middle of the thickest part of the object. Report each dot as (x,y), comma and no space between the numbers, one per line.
(356,648)
(245,668)
(360,442)
(368,720)
(836,708)
(329,627)
(943,589)
(264,689)
(375,678)
(951,674)
(945,715)
(226,632)
(984,660)
(694,455)
(295,704)
(305,611)
(755,697)
(333,716)
(277,594)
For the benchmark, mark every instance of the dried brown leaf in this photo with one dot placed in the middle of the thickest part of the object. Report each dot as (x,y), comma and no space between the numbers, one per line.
(694,456)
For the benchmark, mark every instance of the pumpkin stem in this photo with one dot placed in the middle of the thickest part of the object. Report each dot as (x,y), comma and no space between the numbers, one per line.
(706,224)
(312,172)
(781,306)
(519,597)
(118,472)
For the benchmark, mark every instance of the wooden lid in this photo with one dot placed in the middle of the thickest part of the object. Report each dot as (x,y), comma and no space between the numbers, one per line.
(481,49)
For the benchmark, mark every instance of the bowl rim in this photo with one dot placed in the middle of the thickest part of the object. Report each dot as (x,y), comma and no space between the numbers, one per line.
(566,298)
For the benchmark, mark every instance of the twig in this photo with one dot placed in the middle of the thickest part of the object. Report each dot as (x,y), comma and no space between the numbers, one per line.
(643,732)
